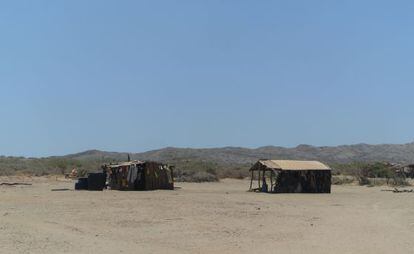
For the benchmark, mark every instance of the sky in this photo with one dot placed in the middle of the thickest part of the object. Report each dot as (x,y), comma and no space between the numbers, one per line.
(133,76)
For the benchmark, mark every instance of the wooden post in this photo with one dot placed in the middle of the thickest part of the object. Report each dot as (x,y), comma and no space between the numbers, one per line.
(271,181)
(258,179)
(251,181)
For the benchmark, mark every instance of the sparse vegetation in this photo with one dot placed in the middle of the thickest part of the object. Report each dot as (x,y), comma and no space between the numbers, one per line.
(198,177)
(42,166)
(340,180)
(188,170)
(193,165)
(370,174)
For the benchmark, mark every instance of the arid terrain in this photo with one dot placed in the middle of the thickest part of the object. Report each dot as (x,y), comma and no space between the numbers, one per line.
(202,218)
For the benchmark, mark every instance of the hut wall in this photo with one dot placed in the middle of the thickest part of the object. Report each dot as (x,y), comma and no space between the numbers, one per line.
(304,181)
(149,176)
(117,178)
(139,183)
(158,176)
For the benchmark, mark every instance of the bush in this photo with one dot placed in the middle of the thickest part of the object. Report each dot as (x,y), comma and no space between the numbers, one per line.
(363,180)
(194,170)
(362,169)
(377,173)
(396,181)
(43,166)
(379,170)
(234,173)
(197,177)
(399,181)
(339,180)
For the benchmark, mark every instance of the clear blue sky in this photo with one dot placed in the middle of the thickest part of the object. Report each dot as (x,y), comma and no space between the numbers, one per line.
(140,75)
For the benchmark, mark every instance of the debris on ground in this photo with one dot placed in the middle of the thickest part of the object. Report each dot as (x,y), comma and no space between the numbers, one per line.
(63,189)
(14,184)
(395,190)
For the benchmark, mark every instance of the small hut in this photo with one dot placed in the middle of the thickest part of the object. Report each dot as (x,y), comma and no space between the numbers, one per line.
(408,171)
(287,176)
(139,175)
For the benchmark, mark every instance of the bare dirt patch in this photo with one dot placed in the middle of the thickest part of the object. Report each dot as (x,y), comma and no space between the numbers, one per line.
(202,218)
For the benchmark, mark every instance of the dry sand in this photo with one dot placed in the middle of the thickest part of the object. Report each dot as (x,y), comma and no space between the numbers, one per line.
(203,218)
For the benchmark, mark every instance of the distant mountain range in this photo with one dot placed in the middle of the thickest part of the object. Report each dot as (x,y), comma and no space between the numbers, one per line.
(241,156)
(225,162)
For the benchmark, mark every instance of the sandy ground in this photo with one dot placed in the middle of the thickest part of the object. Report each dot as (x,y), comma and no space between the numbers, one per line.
(203,218)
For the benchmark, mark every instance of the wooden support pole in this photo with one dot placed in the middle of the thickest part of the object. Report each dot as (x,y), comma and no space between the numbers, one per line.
(271,181)
(251,181)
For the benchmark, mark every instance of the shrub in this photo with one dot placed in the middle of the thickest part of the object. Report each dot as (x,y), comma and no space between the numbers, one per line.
(234,173)
(399,181)
(197,177)
(363,180)
(396,181)
(339,180)
(379,170)
(362,169)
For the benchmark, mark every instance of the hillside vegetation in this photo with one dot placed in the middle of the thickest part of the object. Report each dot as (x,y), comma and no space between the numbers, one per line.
(213,163)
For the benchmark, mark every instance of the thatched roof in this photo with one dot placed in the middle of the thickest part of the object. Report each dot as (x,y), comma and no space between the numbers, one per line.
(290,165)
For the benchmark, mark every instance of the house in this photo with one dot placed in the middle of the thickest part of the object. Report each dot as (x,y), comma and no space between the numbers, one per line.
(139,175)
(289,176)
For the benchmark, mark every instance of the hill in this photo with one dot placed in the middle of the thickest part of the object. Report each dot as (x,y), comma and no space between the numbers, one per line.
(233,161)
(240,156)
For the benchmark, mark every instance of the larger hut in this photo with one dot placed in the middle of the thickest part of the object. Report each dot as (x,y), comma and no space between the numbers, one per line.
(287,176)
(139,175)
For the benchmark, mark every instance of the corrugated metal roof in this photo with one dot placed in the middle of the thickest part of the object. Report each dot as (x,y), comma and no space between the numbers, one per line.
(127,163)
(294,165)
